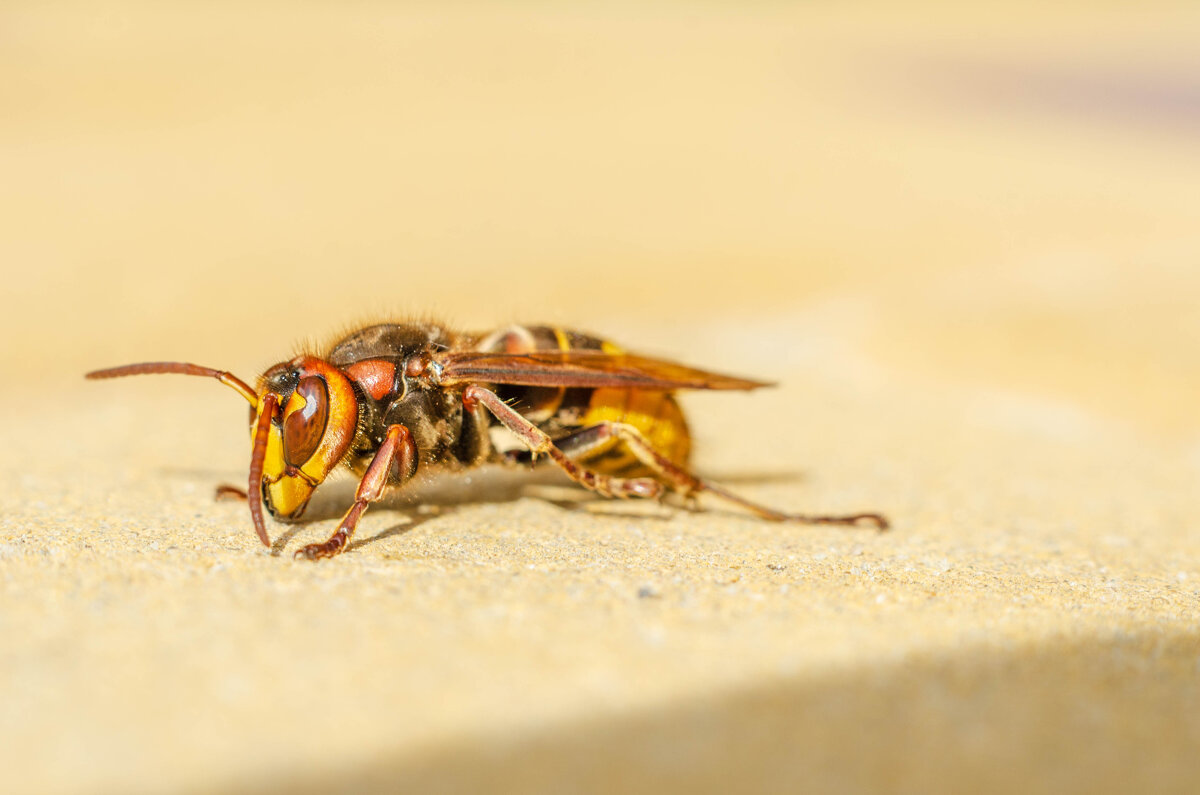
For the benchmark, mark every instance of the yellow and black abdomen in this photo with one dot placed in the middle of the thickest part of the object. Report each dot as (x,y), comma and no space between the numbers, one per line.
(656,414)
(565,412)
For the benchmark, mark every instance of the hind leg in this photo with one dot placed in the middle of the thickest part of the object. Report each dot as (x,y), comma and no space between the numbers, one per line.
(586,439)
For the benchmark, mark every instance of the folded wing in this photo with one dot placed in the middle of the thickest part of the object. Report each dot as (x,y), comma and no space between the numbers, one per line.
(579,368)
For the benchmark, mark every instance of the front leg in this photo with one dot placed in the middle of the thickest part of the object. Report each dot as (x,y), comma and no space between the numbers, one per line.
(399,450)
(228,492)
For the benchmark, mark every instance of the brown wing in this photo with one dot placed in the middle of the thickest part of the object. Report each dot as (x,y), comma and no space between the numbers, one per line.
(579,368)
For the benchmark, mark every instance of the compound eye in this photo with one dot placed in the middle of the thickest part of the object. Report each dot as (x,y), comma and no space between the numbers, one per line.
(304,427)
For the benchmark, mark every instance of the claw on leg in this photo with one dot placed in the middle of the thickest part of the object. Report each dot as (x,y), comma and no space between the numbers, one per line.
(879,521)
(340,538)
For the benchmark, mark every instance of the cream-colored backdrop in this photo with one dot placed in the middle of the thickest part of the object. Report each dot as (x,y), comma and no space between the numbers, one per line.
(966,242)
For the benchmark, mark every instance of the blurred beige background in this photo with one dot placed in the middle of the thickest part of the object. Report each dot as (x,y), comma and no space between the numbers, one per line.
(964,241)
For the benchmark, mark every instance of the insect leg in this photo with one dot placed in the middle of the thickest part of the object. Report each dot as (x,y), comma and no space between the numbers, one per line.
(227,492)
(539,443)
(684,481)
(574,444)
(398,450)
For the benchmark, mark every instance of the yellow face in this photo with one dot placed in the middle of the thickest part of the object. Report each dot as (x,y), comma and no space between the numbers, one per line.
(315,425)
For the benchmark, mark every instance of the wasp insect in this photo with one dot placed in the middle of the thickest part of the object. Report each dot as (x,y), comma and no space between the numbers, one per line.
(388,400)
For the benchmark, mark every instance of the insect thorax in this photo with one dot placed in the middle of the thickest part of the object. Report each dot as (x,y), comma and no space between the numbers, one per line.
(388,341)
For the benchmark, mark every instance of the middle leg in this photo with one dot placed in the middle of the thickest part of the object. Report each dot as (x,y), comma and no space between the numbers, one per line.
(539,443)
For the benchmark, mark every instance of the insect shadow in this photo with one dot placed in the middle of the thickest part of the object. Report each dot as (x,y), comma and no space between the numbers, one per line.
(437,495)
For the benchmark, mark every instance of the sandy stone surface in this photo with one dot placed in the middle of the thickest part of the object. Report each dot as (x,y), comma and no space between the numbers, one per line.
(964,246)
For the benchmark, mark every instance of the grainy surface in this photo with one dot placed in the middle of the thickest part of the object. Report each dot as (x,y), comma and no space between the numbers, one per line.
(965,246)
